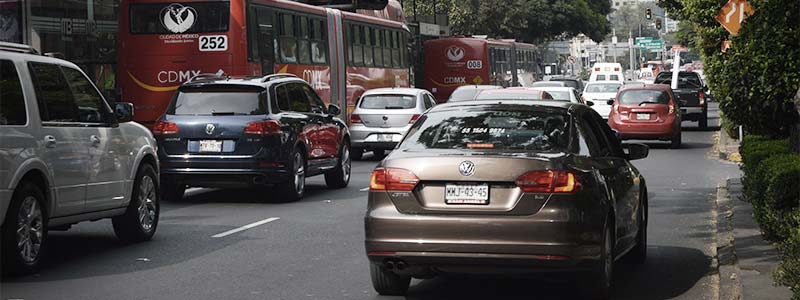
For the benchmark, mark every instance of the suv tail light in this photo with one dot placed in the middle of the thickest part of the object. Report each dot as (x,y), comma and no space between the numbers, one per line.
(671,109)
(414,118)
(702,97)
(616,69)
(266,127)
(549,181)
(355,119)
(164,127)
(392,179)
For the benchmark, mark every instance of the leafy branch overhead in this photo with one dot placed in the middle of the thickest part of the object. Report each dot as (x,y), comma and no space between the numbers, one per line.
(525,20)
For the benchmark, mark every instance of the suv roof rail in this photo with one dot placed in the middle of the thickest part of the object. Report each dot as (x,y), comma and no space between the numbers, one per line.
(277,76)
(204,76)
(14,47)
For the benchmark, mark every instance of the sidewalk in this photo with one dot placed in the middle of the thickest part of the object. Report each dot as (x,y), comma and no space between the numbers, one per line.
(746,260)
(728,148)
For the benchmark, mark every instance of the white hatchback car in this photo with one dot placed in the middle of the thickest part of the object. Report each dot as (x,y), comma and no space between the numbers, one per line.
(600,95)
(67,157)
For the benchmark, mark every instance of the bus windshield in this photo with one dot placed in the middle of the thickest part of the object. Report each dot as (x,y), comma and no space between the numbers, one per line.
(169,17)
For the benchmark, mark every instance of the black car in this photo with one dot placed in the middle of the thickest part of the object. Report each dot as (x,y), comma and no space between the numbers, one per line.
(249,132)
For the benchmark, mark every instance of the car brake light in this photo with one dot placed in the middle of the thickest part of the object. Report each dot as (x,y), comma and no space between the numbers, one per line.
(354,118)
(549,181)
(615,108)
(671,109)
(616,69)
(164,127)
(597,69)
(702,97)
(266,127)
(392,179)
(414,118)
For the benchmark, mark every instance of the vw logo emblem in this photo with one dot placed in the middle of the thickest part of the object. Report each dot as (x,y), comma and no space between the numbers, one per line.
(210,128)
(466,168)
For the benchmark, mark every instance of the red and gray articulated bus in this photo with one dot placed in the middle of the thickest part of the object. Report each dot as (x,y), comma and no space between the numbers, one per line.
(453,62)
(163,43)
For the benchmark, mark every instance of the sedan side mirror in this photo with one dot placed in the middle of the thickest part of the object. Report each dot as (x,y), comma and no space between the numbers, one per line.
(636,151)
(334,110)
(123,111)
(610,102)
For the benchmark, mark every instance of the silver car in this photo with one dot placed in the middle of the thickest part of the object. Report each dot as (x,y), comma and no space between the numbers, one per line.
(382,117)
(67,157)
(564,93)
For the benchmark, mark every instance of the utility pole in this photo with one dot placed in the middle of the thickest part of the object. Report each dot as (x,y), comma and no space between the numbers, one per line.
(630,50)
(614,44)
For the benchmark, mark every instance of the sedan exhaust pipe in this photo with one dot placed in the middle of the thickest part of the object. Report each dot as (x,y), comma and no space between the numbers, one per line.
(388,264)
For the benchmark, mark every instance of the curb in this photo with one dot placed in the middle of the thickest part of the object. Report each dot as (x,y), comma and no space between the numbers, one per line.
(730,287)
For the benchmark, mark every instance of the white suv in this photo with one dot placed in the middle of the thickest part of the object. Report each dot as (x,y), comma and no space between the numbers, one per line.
(67,157)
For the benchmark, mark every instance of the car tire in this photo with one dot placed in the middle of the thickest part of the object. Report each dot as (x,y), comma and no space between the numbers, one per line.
(356,153)
(387,282)
(703,123)
(25,214)
(379,153)
(140,220)
(601,279)
(294,189)
(172,191)
(675,142)
(339,177)
(638,254)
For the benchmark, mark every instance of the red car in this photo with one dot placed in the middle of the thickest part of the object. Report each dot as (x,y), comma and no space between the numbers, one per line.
(648,112)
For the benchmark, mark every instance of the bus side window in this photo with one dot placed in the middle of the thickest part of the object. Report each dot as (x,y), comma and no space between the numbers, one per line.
(266,39)
(318,50)
(303,43)
(288,42)
(358,48)
(369,43)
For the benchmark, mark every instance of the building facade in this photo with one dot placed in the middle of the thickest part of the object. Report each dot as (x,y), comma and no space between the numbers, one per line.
(81,31)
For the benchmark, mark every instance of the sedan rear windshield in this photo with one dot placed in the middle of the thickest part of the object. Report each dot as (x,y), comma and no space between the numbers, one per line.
(463,94)
(561,95)
(602,88)
(528,95)
(388,102)
(637,97)
(569,82)
(218,103)
(489,128)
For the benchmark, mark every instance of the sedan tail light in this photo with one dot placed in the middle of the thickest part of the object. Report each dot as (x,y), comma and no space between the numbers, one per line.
(355,119)
(414,118)
(392,179)
(267,127)
(549,181)
(164,127)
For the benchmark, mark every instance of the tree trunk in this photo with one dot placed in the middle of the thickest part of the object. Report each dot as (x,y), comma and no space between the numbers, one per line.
(794,137)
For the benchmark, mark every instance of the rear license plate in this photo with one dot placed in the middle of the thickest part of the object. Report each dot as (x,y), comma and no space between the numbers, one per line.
(466,194)
(643,116)
(385,137)
(210,146)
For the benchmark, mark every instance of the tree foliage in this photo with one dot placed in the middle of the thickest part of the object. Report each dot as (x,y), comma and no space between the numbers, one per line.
(525,20)
(757,78)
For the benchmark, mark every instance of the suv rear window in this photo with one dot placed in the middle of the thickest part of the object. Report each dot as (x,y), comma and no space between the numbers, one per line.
(12,102)
(643,96)
(685,80)
(507,128)
(218,103)
(388,102)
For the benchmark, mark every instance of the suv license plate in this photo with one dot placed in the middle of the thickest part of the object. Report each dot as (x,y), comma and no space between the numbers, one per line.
(210,146)
(466,194)
(643,116)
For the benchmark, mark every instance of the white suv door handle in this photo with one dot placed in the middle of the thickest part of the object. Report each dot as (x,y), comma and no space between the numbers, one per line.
(95,140)
(49,141)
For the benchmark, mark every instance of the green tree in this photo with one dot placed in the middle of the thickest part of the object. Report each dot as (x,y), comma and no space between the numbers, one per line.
(525,20)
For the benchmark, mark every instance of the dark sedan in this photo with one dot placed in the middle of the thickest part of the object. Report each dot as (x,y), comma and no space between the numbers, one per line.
(506,186)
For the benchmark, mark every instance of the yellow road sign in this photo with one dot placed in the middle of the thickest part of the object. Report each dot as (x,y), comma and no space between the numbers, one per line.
(733,13)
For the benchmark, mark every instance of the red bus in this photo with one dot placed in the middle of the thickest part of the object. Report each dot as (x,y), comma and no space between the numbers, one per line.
(453,62)
(341,54)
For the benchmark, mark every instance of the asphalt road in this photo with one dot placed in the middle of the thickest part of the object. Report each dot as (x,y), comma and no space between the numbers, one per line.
(315,249)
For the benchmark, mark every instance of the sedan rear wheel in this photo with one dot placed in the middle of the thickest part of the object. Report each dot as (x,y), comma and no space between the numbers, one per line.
(24,232)
(676,141)
(601,279)
(638,254)
(388,283)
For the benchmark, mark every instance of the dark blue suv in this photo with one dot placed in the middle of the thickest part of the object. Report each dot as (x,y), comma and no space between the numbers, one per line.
(250,131)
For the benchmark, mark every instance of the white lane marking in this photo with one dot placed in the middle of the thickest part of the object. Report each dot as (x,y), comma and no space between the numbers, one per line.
(364,189)
(245,227)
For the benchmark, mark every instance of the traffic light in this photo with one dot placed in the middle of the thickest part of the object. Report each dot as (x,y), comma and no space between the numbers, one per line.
(658,24)
(648,14)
